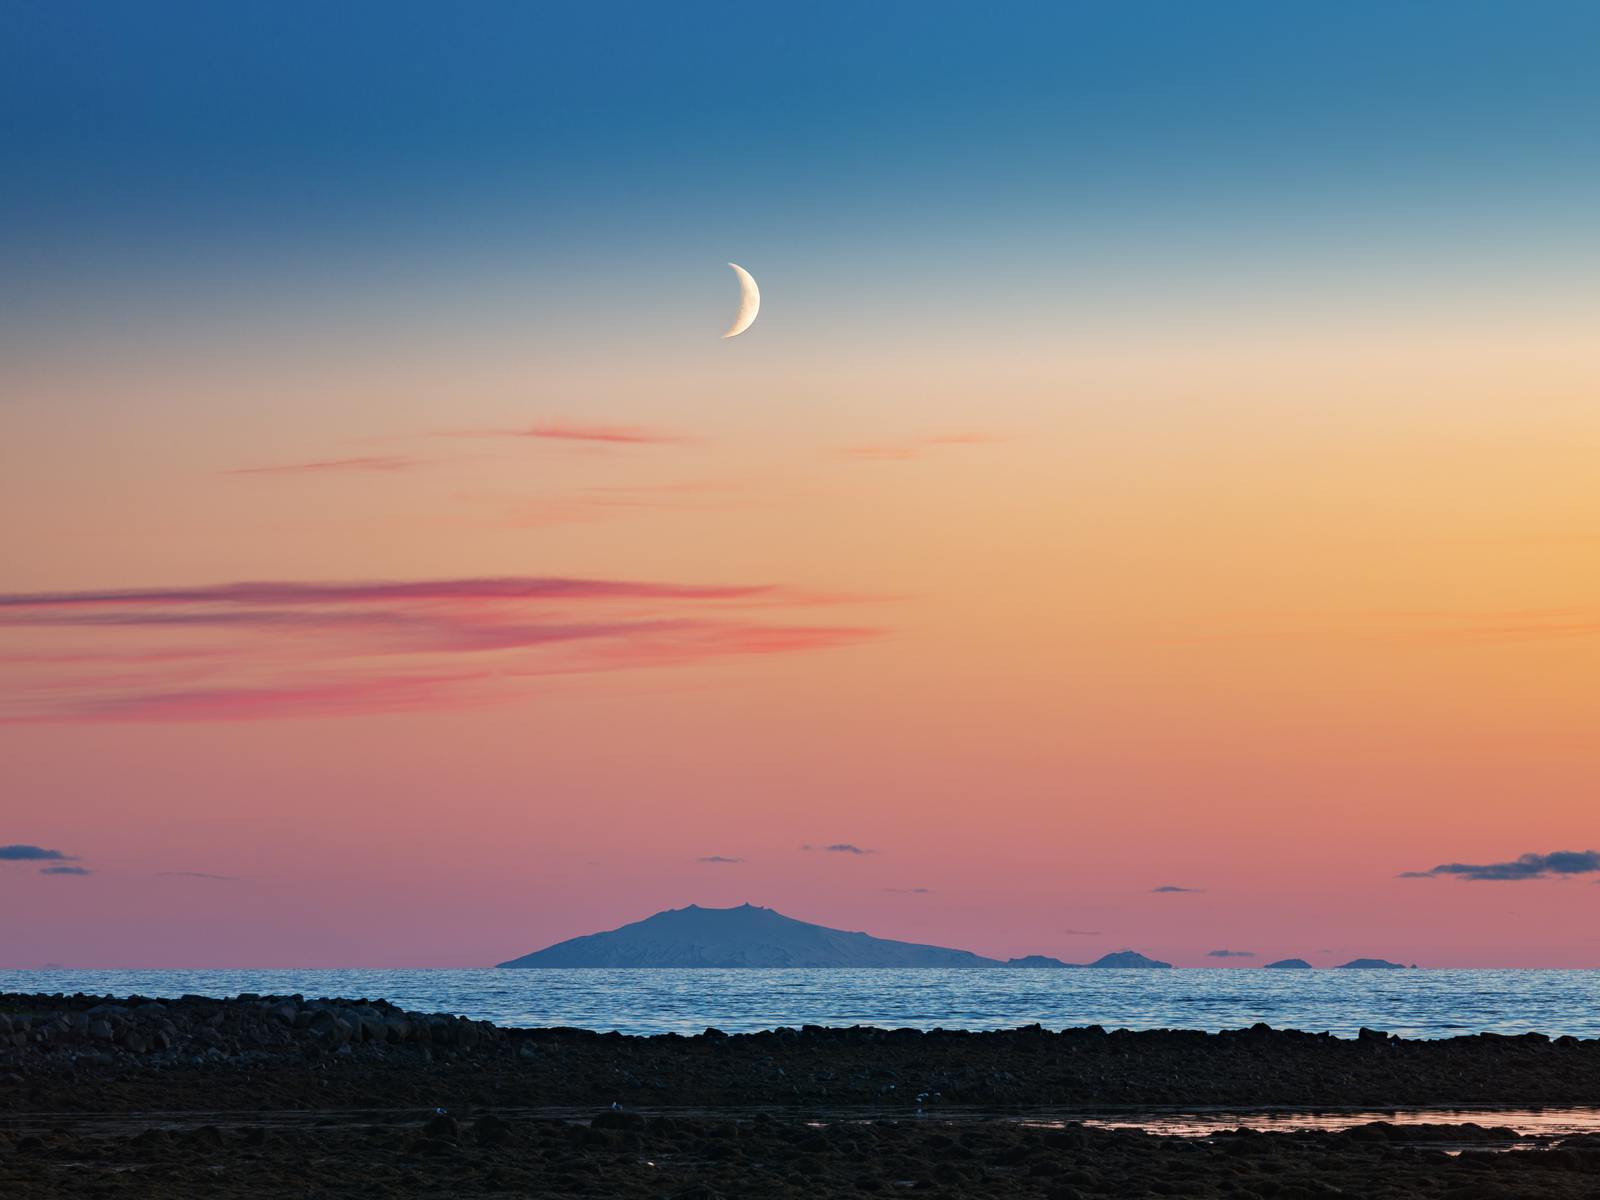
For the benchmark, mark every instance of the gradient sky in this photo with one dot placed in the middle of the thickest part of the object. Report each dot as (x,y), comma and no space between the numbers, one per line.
(1166,459)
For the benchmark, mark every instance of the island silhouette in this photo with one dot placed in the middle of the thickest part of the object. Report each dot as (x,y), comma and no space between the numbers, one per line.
(750,936)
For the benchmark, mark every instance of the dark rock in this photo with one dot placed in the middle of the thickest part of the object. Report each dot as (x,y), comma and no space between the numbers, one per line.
(206,1135)
(490,1130)
(442,1125)
(617,1120)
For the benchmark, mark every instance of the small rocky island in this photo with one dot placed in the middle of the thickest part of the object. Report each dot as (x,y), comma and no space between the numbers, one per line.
(1116,959)
(749,936)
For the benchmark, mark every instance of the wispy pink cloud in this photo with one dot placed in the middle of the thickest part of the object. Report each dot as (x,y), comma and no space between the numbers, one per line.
(371,462)
(627,435)
(535,587)
(262,650)
(101,658)
(562,431)
(706,641)
(916,447)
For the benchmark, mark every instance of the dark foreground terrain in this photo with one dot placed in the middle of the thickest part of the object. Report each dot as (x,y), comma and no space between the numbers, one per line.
(275,1096)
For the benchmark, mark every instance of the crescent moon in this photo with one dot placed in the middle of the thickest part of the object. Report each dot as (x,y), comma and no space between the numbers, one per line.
(749,302)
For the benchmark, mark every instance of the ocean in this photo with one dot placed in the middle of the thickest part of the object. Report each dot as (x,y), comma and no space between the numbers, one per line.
(1409,1003)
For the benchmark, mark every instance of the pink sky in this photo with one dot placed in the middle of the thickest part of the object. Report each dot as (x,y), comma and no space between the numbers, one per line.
(1150,468)
(304,677)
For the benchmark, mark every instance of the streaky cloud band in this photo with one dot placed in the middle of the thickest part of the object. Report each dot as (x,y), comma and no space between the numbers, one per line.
(1526,866)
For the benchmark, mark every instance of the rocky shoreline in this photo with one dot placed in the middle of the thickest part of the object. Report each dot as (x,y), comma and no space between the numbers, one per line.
(361,1051)
(283,1095)
(49,1029)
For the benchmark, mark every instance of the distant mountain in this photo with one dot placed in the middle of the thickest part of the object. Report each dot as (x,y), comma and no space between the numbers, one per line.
(748,936)
(1370,964)
(1289,964)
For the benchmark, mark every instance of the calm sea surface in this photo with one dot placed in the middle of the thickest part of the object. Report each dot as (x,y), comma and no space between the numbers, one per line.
(1427,1004)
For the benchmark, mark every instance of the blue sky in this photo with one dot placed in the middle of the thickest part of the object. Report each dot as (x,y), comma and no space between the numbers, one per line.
(168,150)
(285,113)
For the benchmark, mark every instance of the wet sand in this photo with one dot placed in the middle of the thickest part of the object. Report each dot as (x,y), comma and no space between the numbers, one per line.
(273,1096)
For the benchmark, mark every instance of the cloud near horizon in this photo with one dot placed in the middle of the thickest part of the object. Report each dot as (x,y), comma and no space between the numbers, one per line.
(1168,889)
(1230,953)
(1528,866)
(838,848)
(192,875)
(1081,932)
(65,871)
(25,853)
(911,891)
(718,858)
(259,650)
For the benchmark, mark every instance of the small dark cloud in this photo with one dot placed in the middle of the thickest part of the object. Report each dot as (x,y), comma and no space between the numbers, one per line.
(1081,932)
(65,871)
(838,848)
(33,854)
(1528,866)
(718,858)
(193,875)
(1230,953)
(910,891)
(1172,889)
